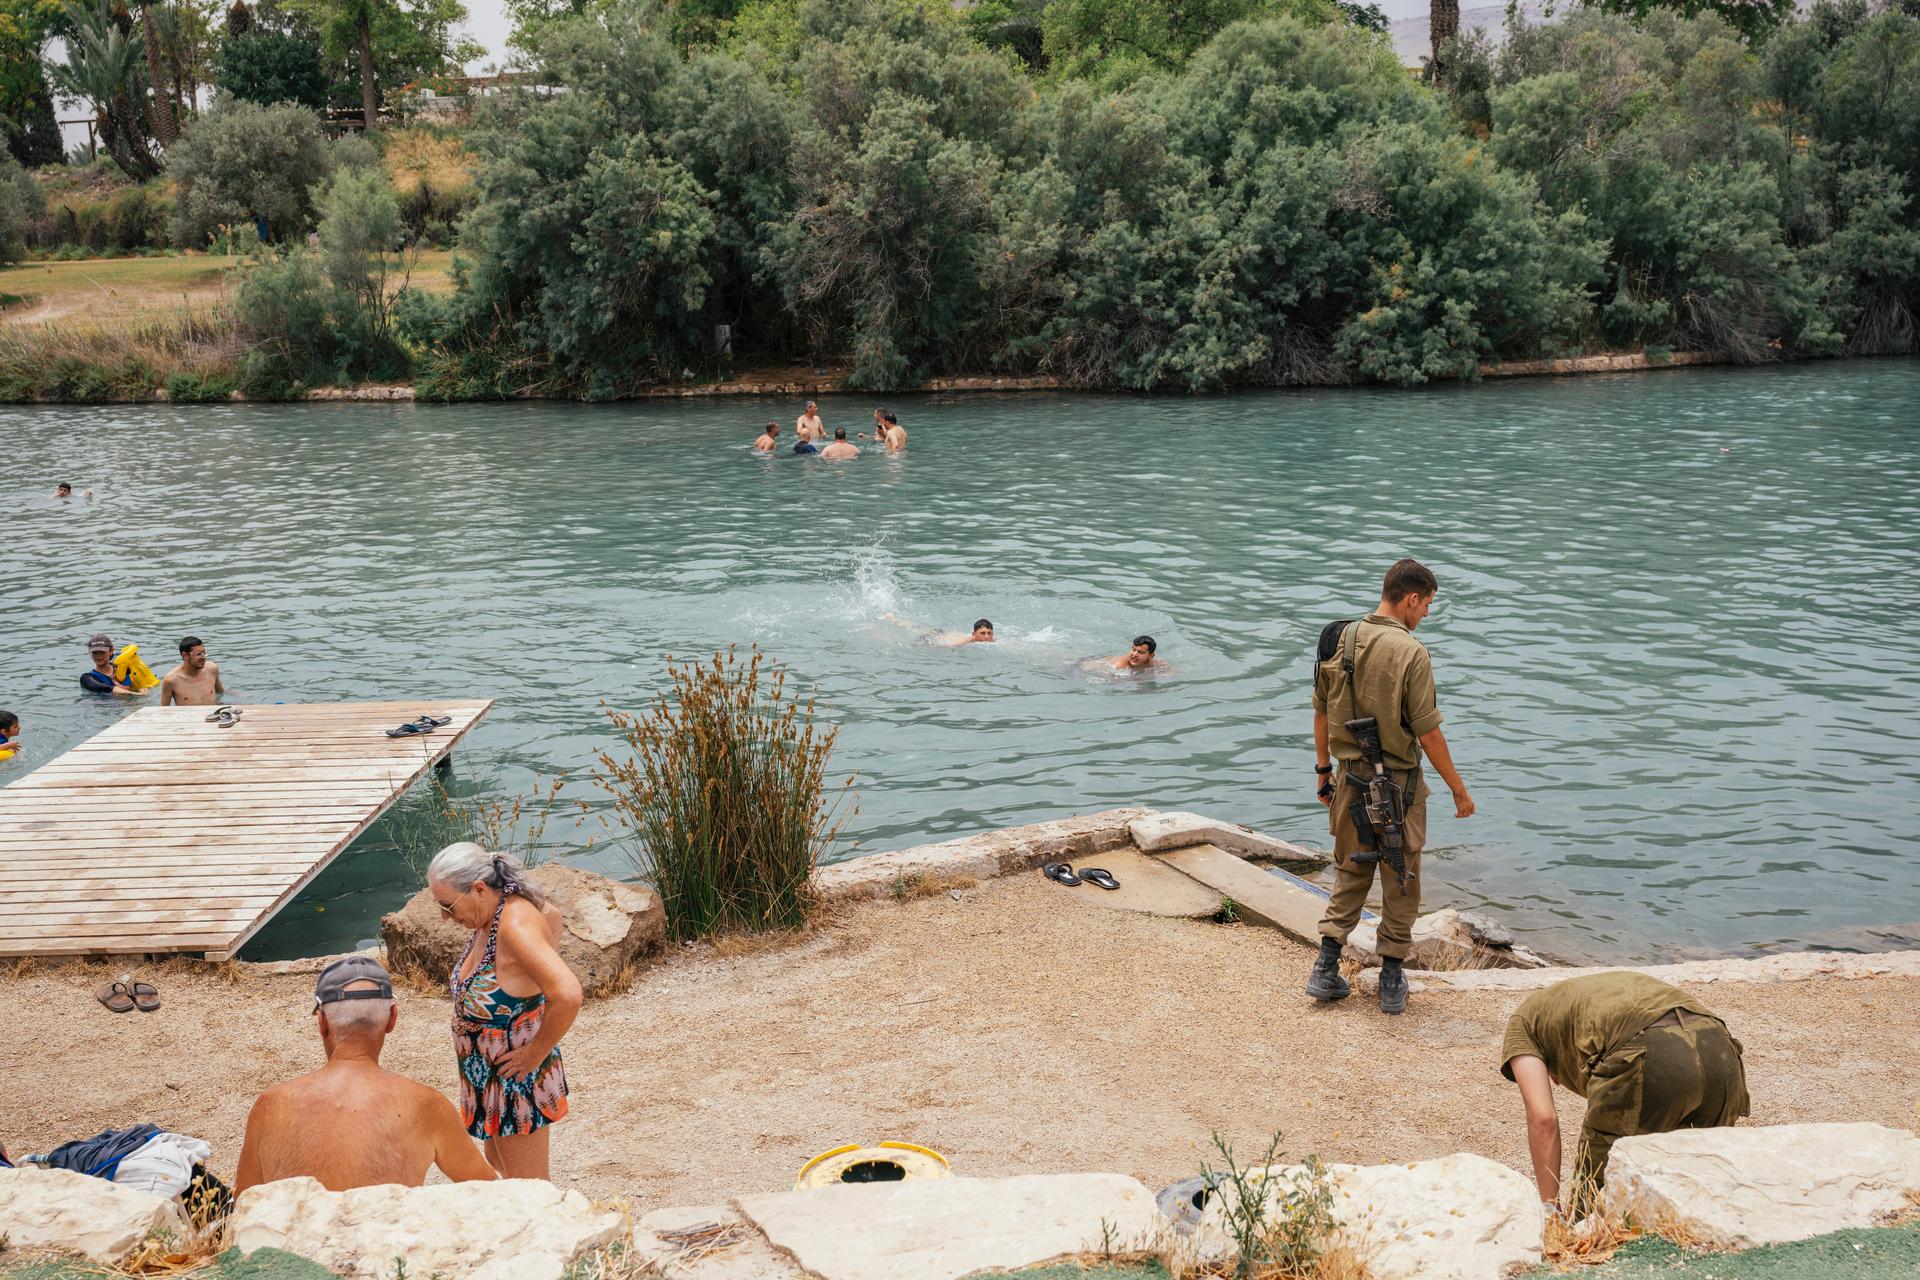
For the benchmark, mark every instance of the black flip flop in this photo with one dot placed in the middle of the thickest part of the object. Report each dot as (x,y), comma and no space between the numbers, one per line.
(1099,876)
(1061,872)
(433,722)
(408,729)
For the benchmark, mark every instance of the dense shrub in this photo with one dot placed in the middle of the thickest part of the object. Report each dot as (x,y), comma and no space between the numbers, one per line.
(136,217)
(244,162)
(20,207)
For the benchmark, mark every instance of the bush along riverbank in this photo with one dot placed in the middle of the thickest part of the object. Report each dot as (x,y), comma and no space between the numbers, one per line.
(1278,204)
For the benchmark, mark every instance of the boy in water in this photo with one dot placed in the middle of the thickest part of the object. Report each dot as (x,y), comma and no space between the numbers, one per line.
(1141,657)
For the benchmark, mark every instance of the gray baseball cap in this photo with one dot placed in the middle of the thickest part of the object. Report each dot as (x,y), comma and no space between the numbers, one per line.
(335,978)
(98,643)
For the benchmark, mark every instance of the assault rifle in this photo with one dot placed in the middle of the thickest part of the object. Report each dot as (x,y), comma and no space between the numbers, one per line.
(1380,814)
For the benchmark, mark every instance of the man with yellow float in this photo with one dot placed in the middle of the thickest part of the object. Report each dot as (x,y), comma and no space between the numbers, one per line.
(122,674)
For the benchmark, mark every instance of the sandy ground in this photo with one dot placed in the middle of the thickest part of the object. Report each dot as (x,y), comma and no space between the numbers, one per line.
(1014,1029)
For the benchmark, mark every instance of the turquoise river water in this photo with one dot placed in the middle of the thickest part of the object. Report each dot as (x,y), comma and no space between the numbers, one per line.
(1674,641)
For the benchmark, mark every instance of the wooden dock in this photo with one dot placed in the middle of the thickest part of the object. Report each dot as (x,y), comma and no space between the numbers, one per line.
(168,834)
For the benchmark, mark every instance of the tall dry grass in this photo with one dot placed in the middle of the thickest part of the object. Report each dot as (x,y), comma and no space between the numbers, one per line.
(188,355)
(722,797)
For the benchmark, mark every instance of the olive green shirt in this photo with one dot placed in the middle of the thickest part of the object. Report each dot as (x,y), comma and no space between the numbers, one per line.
(1572,1025)
(1393,683)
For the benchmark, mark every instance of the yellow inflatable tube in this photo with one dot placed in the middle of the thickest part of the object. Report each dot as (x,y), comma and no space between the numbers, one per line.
(128,669)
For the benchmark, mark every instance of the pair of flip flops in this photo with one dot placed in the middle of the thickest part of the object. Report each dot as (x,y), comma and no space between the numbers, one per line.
(421,724)
(125,996)
(225,717)
(1064,874)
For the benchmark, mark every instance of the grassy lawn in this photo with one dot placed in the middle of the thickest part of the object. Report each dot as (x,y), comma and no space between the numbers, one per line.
(103,292)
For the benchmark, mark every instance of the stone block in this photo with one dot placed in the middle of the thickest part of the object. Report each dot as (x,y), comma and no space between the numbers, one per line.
(522,1229)
(1741,1187)
(66,1212)
(1258,898)
(946,1228)
(1158,832)
(608,925)
(1147,886)
(978,857)
(1461,1217)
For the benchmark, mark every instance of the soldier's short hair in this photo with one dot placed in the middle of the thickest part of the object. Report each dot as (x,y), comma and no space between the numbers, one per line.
(1408,578)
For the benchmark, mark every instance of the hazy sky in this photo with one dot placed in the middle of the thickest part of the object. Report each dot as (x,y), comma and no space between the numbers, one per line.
(488,24)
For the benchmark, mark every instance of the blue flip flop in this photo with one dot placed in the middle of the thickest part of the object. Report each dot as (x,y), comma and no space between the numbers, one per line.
(1099,876)
(408,729)
(1060,872)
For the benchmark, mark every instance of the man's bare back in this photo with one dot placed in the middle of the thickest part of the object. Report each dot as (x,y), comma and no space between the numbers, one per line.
(354,1124)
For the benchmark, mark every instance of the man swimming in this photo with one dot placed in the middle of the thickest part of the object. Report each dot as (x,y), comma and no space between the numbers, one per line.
(888,431)
(981,633)
(808,425)
(841,447)
(766,443)
(1141,657)
(195,682)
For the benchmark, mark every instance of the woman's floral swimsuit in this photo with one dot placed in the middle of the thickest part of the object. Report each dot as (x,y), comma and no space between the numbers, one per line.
(487,1023)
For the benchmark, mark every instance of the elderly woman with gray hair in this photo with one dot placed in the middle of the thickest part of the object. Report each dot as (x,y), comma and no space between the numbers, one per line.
(513,999)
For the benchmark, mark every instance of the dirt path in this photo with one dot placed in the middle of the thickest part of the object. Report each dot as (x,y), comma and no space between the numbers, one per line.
(1014,1029)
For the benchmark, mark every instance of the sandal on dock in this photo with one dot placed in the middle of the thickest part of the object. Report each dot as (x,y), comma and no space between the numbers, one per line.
(225,717)
(1099,876)
(1061,872)
(432,721)
(408,729)
(116,996)
(146,997)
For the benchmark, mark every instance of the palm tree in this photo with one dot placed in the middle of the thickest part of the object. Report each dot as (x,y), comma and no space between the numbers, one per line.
(105,67)
(159,105)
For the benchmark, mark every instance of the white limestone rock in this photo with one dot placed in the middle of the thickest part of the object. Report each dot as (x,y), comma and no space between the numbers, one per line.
(67,1212)
(1451,940)
(1158,832)
(522,1229)
(1462,1217)
(979,857)
(1742,1187)
(945,1228)
(708,1242)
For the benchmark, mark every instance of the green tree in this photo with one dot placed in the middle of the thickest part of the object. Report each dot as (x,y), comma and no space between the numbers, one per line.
(244,163)
(272,66)
(1117,41)
(26,100)
(376,47)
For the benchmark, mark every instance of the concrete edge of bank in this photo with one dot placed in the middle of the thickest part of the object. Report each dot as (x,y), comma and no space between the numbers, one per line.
(1608,362)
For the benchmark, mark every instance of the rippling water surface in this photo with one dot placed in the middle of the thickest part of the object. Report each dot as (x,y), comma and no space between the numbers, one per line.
(1674,643)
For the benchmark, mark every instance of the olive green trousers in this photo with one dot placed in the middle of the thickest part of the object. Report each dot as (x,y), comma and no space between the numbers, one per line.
(1683,1072)
(1399,904)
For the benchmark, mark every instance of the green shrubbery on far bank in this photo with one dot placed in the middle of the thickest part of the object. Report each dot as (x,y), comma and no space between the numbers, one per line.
(1050,188)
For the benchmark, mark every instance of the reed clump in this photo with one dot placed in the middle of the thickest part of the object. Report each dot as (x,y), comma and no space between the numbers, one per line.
(188,355)
(722,796)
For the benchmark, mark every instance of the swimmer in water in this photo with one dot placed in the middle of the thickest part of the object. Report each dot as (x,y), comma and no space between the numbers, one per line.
(65,490)
(766,443)
(982,633)
(887,430)
(1143,656)
(808,425)
(841,448)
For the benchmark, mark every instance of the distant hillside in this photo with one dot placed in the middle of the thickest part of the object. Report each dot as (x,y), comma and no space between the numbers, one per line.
(1413,40)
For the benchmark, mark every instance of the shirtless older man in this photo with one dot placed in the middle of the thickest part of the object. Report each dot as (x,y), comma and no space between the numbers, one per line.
(841,448)
(195,682)
(353,1123)
(808,425)
(888,431)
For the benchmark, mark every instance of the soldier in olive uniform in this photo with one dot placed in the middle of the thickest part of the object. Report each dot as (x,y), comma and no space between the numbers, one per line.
(1646,1056)
(1391,681)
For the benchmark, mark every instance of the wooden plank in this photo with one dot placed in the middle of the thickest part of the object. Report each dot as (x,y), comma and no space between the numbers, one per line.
(165,833)
(1257,897)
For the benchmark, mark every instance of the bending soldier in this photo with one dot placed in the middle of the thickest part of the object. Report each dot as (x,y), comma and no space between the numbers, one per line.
(1373,715)
(1647,1057)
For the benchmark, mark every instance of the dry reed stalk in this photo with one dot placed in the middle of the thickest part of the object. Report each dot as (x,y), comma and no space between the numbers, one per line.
(928,884)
